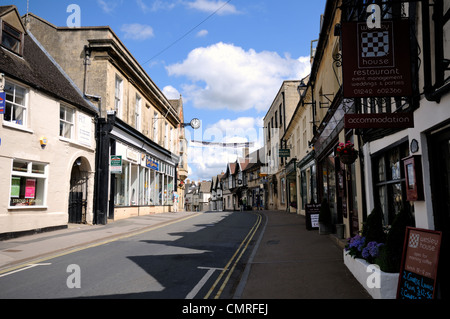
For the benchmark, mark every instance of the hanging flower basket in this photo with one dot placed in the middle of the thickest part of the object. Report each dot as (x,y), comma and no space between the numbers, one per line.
(347,153)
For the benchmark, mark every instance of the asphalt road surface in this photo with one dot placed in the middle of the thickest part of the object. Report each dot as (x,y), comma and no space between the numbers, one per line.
(201,257)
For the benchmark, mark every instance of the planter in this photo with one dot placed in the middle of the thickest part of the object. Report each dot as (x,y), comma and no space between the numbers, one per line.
(340,229)
(324,229)
(386,287)
(348,158)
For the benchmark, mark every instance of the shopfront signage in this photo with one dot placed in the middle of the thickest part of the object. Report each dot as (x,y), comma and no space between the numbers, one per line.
(115,164)
(284,152)
(420,258)
(2,102)
(376,62)
(379,120)
(151,164)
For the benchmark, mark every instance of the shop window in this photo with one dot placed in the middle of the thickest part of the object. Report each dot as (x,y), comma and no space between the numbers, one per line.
(389,181)
(28,184)
(12,38)
(303,189)
(283,190)
(16,107)
(122,186)
(66,122)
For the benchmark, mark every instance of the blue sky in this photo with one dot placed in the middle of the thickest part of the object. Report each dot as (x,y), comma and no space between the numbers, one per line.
(226,58)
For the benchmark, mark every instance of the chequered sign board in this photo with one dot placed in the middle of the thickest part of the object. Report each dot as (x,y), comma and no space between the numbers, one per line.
(374,44)
(413,240)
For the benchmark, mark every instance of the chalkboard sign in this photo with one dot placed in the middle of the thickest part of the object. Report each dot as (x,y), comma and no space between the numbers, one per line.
(420,258)
(312,216)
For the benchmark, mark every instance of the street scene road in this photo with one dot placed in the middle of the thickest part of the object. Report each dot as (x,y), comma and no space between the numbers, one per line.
(200,257)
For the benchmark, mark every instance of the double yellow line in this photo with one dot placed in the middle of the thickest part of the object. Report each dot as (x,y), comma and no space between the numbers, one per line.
(242,248)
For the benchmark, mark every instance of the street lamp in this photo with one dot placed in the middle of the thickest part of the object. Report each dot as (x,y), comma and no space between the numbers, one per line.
(302,88)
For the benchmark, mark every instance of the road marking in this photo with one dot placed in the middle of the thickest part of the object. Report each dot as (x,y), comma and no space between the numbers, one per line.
(24,268)
(246,241)
(202,282)
(102,242)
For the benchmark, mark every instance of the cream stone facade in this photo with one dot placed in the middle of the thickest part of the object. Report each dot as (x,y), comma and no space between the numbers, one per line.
(275,122)
(137,122)
(47,131)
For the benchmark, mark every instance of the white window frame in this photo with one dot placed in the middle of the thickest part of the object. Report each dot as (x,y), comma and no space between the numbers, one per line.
(118,95)
(166,135)
(155,127)
(64,121)
(138,110)
(13,104)
(33,175)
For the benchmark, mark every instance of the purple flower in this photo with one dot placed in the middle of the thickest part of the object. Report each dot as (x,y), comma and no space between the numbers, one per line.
(371,250)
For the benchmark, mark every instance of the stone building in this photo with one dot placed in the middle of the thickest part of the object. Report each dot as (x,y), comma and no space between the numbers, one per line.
(137,123)
(47,146)
(275,122)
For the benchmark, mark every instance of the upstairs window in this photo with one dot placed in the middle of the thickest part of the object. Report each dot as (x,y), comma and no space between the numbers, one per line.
(12,38)
(16,106)
(118,96)
(66,122)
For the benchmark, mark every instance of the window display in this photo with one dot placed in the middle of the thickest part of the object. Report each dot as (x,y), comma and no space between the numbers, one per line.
(28,184)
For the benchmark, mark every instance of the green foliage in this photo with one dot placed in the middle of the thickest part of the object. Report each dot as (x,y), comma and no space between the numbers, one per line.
(325,212)
(390,256)
(373,227)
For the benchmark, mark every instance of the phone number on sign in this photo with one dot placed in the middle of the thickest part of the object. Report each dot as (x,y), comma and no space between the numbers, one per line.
(378,91)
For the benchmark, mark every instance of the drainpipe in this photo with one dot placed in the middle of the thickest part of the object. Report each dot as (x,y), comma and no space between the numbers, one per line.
(430,93)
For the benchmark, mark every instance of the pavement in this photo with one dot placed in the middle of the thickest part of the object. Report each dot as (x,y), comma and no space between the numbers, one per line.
(291,262)
(287,262)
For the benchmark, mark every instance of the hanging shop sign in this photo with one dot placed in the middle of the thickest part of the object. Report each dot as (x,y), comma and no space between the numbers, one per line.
(379,120)
(420,259)
(282,152)
(151,164)
(115,164)
(376,62)
(2,102)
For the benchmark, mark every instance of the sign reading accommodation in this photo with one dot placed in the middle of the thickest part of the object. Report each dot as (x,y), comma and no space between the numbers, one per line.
(376,62)
(420,258)
(115,164)
(379,120)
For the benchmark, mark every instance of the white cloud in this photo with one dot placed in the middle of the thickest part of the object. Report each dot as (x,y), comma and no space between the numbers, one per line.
(155,6)
(209,160)
(108,6)
(225,76)
(171,93)
(202,33)
(137,31)
(212,6)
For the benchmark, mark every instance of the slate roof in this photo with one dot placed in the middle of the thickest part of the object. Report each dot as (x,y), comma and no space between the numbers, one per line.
(37,69)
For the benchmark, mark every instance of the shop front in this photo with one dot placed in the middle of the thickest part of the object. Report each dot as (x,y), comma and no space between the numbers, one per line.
(141,174)
(306,179)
